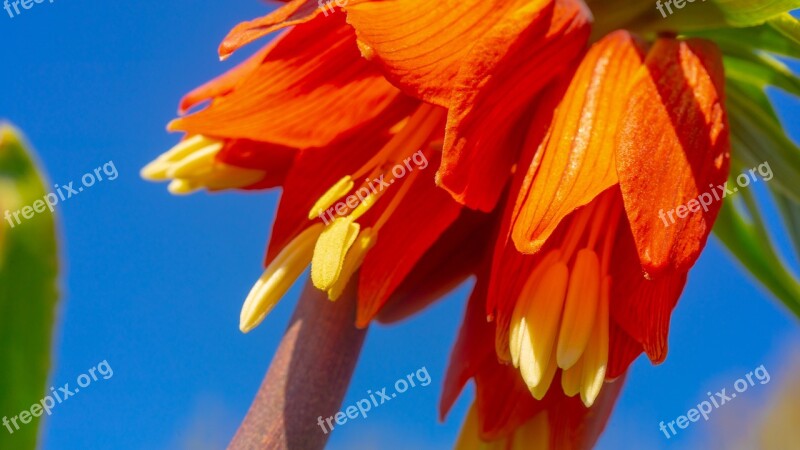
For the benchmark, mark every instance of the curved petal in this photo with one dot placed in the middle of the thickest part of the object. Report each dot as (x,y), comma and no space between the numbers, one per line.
(295,12)
(508,264)
(225,83)
(421,44)
(501,75)
(311,88)
(317,169)
(420,219)
(673,147)
(574,426)
(473,349)
(444,266)
(622,351)
(578,153)
(641,307)
(274,160)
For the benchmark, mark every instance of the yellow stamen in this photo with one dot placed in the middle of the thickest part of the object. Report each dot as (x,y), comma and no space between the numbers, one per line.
(278,277)
(595,359)
(193,166)
(224,176)
(540,390)
(579,309)
(157,170)
(182,187)
(518,326)
(331,250)
(333,194)
(352,262)
(198,163)
(542,320)
(571,379)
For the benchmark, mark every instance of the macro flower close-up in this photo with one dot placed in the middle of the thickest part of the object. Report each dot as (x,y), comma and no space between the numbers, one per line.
(535,196)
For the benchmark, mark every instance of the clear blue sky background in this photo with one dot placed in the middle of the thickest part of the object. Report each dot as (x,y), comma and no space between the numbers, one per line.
(154,283)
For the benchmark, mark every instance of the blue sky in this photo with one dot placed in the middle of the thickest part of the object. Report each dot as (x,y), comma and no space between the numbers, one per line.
(154,284)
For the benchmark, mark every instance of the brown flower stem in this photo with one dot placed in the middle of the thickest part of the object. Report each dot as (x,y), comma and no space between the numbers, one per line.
(308,376)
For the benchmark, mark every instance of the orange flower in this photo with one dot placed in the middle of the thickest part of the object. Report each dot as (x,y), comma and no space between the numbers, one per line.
(560,155)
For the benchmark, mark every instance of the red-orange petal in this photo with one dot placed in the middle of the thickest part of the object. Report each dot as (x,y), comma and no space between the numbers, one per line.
(274,160)
(578,153)
(295,12)
(403,240)
(622,351)
(312,87)
(574,426)
(673,147)
(224,83)
(473,348)
(642,307)
(444,266)
(317,169)
(422,44)
(509,266)
(502,74)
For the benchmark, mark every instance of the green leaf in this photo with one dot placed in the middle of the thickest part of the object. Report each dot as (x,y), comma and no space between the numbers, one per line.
(749,241)
(788,27)
(790,210)
(709,15)
(28,291)
(763,37)
(745,13)
(758,136)
(762,71)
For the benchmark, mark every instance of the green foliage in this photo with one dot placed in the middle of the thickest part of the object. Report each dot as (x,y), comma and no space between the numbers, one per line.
(28,291)
(758,136)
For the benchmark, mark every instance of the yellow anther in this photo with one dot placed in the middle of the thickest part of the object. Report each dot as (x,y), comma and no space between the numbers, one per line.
(352,262)
(336,192)
(279,277)
(331,250)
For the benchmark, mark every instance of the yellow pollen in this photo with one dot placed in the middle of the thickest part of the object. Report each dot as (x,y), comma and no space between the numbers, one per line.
(352,262)
(331,250)
(278,277)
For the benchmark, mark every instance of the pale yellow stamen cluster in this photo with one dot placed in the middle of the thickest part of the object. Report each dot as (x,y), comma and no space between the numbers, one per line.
(561,319)
(192,165)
